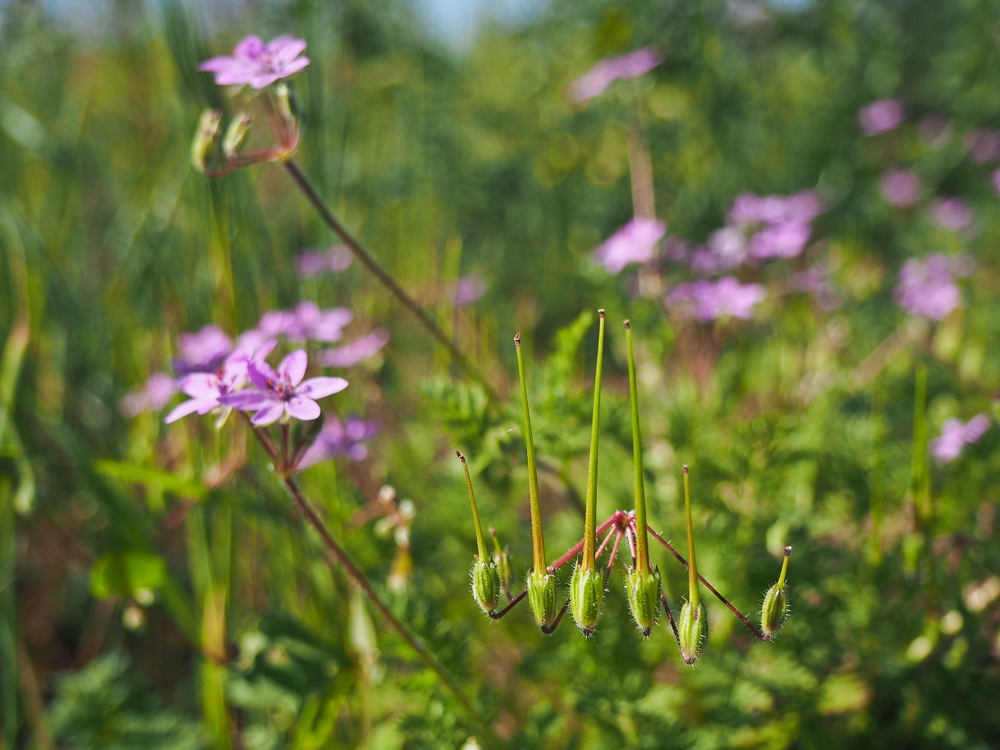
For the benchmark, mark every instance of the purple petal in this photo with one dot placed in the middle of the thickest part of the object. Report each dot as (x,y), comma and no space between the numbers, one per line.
(219,64)
(301,407)
(268,414)
(293,366)
(200,385)
(284,49)
(357,350)
(294,66)
(321,387)
(248,400)
(635,242)
(250,47)
(312,263)
(261,374)
(182,410)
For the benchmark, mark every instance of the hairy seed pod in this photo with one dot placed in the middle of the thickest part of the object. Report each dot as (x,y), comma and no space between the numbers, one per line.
(502,561)
(204,138)
(643,597)
(237,133)
(774,609)
(542,597)
(486,584)
(586,594)
(692,631)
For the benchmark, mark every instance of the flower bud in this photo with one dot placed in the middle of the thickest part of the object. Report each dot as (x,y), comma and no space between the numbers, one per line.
(774,609)
(486,584)
(204,137)
(586,593)
(237,133)
(692,631)
(643,597)
(542,597)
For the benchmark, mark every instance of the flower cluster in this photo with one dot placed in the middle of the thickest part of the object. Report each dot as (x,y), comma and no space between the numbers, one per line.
(708,300)
(956,434)
(881,116)
(257,63)
(635,242)
(926,287)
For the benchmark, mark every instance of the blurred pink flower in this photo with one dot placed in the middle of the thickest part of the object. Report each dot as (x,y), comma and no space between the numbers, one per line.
(786,239)
(610,69)
(305,323)
(950,213)
(257,63)
(900,187)
(926,288)
(955,435)
(983,145)
(353,352)
(282,391)
(633,243)
(203,350)
(467,289)
(205,388)
(315,262)
(153,396)
(708,300)
(728,245)
(996,181)
(880,116)
(340,438)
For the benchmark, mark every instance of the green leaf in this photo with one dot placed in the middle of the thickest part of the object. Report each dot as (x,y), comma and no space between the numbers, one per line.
(124,573)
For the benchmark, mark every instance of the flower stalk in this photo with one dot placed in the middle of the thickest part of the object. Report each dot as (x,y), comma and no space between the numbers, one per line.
(589,537)
(537,537)
(641,535)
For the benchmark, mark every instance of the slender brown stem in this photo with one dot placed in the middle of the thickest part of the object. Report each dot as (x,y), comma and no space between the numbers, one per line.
(513,602)
(670,616)
(573,551)
(312,517)
(550,629)
(386,279)
(711,588)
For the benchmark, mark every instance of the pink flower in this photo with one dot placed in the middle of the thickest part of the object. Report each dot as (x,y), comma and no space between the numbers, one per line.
(900,187)
(729,247)
(880,116)
(955,435)
(340,438)
(257,63)
(202,351)
(708,300)
(305,323)
(786,239)
(633,243)
(314,262)
(610,69)
(352,353)
(983,146)
(926,288)
(205,388)
(951,213)
(153,396)
(467,289)
(282,392)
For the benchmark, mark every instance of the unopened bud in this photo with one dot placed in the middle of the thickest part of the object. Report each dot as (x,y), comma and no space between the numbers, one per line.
(237,133)
(774,610)
(486,585)
(542,597)
(586,594)
(204,138)
(692,631)
(643,597)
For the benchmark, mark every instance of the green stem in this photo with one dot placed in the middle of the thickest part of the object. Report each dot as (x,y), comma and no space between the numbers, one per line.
(386,279)
(537,540)
(784,567)
(920,443)
(641,540)
(589,537)
(480,539)
(693,594)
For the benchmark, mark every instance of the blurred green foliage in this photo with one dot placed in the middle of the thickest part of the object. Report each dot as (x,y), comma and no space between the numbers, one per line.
(156,588)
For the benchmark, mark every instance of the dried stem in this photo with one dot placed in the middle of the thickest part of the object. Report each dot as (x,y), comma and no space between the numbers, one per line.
(386,279)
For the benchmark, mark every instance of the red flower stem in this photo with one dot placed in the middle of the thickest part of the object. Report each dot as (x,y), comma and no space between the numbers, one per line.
(386,279)
(573,551)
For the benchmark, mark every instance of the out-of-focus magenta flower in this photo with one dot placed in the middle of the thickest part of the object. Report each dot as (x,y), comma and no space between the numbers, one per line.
(728,246)
(983,145)
(282,391)
(467,289)
(708,300)
(305,323)
(703,261)
(202,351)
(338,438)
(610,69)
(900,187)
(955,435)
(205,388)
(926,288)
(786,239)
(816,281)
(153,396)
(315,262)
(257,63)
(950,213)
(675,249)
(749,208)
(633,243)
(880,116)
(353,352)
(995,178)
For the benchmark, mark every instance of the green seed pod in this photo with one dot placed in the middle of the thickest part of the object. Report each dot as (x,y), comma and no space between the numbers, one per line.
(692,631)
(204,138)
(774,609)
(542,597)
(586,593)
(486,584)
(502,562)
(643,597)
(237,133)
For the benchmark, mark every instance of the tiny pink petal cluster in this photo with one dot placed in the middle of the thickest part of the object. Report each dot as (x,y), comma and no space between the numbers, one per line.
(900,187)
(257,63)
(708,300)
(881,116)
(955,435)
(340,438)
(276,393)
(467,289)
(926,287)
(610,69)
(315,262)
(634,243)
(950,213)
(353,352)
(206,388)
